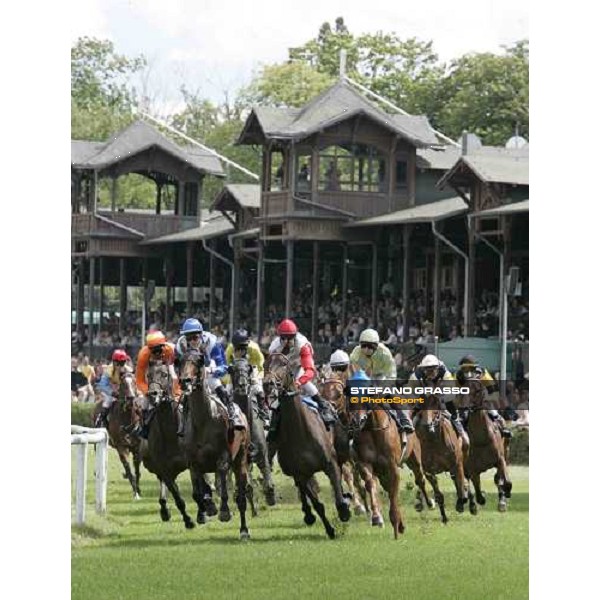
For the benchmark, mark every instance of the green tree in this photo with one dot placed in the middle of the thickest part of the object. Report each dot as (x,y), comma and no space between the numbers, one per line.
(101,98)
(487,94)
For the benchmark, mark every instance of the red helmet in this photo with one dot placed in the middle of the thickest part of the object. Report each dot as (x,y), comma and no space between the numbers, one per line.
(287,327)
(119,355)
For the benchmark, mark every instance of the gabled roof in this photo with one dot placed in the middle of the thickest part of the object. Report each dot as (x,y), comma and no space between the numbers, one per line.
(423,213)
(494,165)
(505,209)
(132,140)
(245,195)
(336,104)
(442,158)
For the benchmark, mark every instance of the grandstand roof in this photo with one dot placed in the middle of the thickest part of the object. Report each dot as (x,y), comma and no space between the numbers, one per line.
(423,213)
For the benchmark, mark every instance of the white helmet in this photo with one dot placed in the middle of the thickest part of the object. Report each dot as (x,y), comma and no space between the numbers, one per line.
(339,358)
(369,336)
(431,360)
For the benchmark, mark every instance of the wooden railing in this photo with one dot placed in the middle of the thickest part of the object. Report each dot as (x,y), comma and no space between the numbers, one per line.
(274,203)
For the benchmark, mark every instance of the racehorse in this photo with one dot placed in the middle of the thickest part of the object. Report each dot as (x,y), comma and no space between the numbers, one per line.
(211,446)
(304,445)
(242,396)
(121,415)
(488,449)
(332,389)
(441,450)
(381,451)
(163,453)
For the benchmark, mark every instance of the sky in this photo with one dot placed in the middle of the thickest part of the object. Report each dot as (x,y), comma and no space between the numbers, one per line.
(215,46)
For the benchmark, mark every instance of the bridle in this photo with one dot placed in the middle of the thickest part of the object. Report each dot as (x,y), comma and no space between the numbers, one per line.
(280,383)
(192,383)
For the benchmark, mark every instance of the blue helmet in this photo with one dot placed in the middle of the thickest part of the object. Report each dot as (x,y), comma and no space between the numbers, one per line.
(191,326)
(360,375)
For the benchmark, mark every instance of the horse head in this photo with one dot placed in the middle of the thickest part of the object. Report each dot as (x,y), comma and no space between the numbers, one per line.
(127,387)
(278,377)
(160,382)
(332,389)
(241,370)
(477,391)
(192,370)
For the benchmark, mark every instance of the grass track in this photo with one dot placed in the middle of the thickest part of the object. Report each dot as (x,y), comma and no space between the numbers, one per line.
(131,553)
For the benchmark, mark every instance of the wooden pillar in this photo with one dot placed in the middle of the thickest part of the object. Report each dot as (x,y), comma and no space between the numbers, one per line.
(315,291)
(406,316)
(470,296)
(93,190)
(374,286)
(189,261)
(168,269)
(91,281)
(211,299)
(437,270)
(314,171)
(237,258)
(459,265)
(159,188)
(113,194)
(122,296)
(260,286)
(144,325)
(344,282)
(80,296)
(289,277)
(101,303)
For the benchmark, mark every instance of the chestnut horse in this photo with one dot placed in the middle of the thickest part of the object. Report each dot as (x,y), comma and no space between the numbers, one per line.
(163,453)
(122,413)
(441,450)
(488,448)
(211,445)
(304,446)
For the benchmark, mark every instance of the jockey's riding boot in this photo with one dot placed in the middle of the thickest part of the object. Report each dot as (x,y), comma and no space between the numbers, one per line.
(102,418)
(494,415)
(460,430)
(234,417)
(404,422)
(180,419)
(511,414)
(274,426)
(327,414)
(146,418)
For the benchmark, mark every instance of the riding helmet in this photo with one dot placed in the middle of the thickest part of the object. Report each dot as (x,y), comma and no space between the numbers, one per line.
(240,338)
(191,326)
(156,338)
(119,355)
(287,327)
(369,336)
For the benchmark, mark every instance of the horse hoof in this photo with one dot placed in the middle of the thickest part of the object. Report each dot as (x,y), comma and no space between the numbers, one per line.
(211,508)
(310,519)
(331,533)
(225,516)
(502,507)
(508,489)
(377,521)
(344,512)
(419,507)
(445,520)
(270,497)
(359,511)
(460,506)
(189,524)
(480,499)
(473,509)
(165,515)
(431,503)
(244,535)
(136,496)
(201,518)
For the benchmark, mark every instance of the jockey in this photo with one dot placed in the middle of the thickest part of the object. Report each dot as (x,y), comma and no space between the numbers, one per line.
(156,350)
(376,360)
(299,351)
(339,362)
(469,366)
(432,371)
(243,347)
(109,383)
(192,335)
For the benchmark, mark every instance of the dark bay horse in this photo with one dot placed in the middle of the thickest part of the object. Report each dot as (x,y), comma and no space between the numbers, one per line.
(121,415)
(442,451)
(211,445)
(241,385)
(332,389)
(488,448)
(163,453)
(304,446)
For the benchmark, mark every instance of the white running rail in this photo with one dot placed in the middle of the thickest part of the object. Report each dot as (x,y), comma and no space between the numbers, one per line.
(82,436)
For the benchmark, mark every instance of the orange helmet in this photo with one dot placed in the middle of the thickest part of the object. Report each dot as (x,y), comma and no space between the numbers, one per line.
(287,327)
(156,338)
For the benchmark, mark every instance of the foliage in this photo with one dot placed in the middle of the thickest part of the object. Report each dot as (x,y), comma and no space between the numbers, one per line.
(519,447)
(81,413)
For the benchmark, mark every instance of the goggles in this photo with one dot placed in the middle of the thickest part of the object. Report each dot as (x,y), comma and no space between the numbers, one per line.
(287,337)
(119,363)
(368,346)
(192,337)
(157,349)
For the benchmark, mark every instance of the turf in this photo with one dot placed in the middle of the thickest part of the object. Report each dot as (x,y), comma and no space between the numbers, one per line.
(131,554)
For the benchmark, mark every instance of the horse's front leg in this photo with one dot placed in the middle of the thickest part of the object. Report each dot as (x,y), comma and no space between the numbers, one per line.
(179,502)
(348,477)
(222,470)
(332,470)
(241,483)
(371,487)
(165,514)
(198,494)
(393,485)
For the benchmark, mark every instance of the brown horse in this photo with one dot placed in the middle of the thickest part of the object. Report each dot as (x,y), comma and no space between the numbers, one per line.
(442,451)
(122,413)
(488,449)
(332,390)
(381,451)
(304,446)
(211,445)
(163,453)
